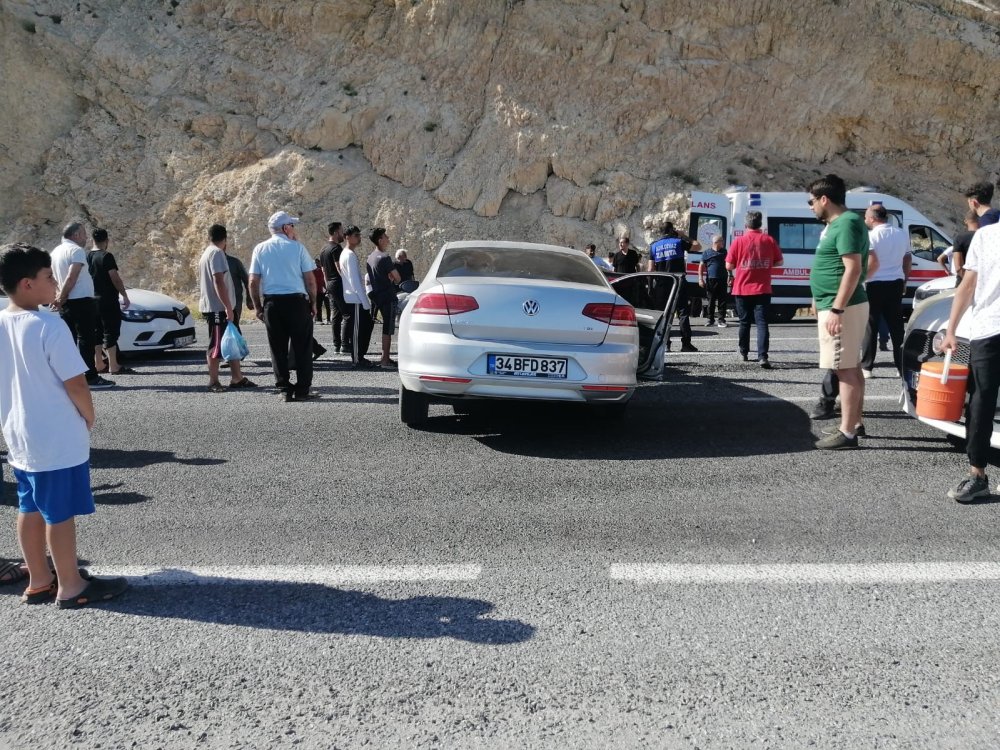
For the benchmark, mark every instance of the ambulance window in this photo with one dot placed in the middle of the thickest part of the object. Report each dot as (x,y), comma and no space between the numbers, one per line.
(927,242)
(795,235)
(704,226)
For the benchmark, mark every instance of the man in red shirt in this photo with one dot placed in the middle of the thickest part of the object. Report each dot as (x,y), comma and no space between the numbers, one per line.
(751,258)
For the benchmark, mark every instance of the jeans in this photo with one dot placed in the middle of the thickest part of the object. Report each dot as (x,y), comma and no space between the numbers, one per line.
(984,383)
(81,317)
(885,300)
(753,309)
(717,297)
(831,386)
(288,320)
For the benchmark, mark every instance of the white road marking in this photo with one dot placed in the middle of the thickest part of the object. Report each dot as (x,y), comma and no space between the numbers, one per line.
(810,399)
(848,573)
(327,575)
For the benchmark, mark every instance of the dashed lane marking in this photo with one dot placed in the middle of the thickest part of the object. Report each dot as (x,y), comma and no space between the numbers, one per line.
(327,575)
(810,399)
(819,573)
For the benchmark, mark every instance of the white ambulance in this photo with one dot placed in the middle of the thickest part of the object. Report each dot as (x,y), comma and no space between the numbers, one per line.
(788,218)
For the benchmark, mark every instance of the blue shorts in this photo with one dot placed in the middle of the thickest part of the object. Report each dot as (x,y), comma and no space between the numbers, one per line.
(58,495)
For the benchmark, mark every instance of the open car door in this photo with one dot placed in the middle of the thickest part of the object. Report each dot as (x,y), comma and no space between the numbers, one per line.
(654,297)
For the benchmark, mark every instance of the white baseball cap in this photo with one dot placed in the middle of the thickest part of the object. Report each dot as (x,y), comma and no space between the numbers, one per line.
(279,219)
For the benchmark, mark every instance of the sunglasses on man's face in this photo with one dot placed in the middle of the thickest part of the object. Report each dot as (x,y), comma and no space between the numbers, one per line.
(813,200)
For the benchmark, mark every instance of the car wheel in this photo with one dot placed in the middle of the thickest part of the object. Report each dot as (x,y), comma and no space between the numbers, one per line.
(611,411)
(413,407)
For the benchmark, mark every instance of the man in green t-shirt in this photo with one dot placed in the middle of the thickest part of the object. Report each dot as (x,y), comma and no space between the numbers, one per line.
(837,281)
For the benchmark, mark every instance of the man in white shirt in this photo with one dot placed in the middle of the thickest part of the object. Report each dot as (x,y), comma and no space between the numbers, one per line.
(75,300)
(889,262)
(283,288)
(980,288)
(357,317)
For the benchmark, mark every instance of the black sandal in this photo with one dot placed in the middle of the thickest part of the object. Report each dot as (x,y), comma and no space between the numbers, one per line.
(12,572)
(98,590)
(45,593)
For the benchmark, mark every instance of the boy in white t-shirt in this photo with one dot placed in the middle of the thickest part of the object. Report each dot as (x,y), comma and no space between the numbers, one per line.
(47,412)
(980,288)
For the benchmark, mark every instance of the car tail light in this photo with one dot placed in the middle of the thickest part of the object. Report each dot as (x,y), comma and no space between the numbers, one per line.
(610,313)
(439,303)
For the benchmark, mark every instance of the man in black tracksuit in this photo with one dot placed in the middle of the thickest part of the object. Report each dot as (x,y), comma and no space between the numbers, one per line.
(335,286)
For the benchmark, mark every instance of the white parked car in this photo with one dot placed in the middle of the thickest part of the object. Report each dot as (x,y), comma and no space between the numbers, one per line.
(515,320)
(153,322)
(931,288)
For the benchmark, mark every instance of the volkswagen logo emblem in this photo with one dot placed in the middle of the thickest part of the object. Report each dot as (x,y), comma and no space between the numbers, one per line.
(530,307)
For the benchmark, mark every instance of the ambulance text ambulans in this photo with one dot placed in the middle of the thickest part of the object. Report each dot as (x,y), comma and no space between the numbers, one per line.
(788,218)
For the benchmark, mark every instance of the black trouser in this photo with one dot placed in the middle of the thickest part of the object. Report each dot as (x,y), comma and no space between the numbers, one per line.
(984,382)
(335,314)
(81,317)
(717,296)
(753,309)
(683,311)
(885,299)
(831,386)
(322,303)
(359,321)
(289,321)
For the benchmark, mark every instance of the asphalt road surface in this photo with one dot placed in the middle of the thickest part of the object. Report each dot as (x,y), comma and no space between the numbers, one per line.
(316,575)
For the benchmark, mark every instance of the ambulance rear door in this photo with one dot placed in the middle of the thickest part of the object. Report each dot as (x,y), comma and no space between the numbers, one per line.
(711,214)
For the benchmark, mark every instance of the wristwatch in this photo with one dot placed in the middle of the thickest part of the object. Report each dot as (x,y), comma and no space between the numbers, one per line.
(835,311)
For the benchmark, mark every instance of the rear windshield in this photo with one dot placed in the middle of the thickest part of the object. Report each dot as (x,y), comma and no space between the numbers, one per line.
(519,263)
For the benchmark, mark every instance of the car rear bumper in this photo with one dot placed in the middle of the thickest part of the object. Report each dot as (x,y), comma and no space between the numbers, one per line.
(600,374)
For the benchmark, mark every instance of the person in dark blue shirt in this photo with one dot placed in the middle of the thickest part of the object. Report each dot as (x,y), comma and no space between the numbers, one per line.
(714,278)
(668,254)
(979,197)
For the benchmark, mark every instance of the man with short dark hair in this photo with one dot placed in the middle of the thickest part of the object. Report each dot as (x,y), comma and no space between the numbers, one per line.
(215,302)
(383,277)
(328,258)
(108,285)
(837,283)
(75,300)
(980,291)
(667,255)
(889,262)
(283,289)
(751,257)
(979,198)
(626,260)
(591,251)
(357,310)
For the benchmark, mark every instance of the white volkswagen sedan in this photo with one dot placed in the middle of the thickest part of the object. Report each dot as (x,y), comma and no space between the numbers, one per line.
(515,320)
(153,322)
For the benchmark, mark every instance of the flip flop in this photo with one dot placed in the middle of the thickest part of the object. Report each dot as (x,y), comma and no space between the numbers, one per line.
(12,572)
(245,383)
(46,593)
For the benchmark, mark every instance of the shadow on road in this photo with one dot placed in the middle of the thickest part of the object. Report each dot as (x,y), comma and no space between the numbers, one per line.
(107,458)
(316,608)
(104,495)
(683,418)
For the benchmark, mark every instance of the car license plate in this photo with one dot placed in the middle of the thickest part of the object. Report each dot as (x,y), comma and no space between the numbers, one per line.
(526,367)
(183,340)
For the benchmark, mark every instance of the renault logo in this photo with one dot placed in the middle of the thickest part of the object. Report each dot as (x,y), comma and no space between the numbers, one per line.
(179,314)
(530,307)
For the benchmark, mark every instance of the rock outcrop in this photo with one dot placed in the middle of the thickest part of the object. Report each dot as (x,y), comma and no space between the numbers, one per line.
(518,119)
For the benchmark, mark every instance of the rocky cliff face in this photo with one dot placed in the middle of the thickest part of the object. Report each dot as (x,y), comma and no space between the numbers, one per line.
(547,120)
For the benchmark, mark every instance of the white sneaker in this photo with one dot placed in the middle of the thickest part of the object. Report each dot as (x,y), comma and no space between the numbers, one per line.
(866,373)
(721,324)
